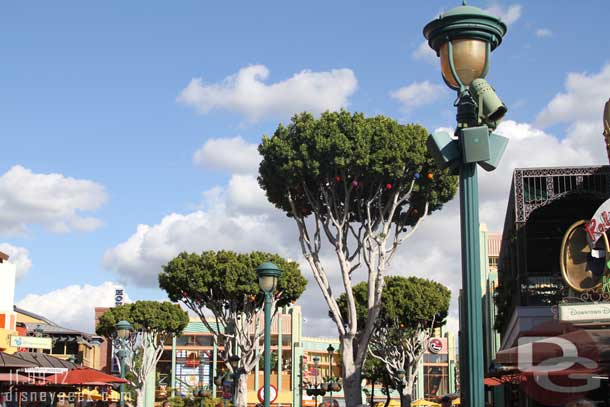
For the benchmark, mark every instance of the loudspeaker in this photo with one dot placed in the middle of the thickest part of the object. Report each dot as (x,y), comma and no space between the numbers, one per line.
(497,146)
(444,148)
(475,144)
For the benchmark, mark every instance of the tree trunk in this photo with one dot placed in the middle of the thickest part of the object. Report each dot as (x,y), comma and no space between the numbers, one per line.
(352,374)
(388,396)
(242,391)
(373,393)
(140,396)
(405,399)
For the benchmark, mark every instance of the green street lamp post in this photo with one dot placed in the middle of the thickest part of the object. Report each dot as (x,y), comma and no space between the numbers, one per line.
(331,384)
(268,276)
(123,330)
(464,38)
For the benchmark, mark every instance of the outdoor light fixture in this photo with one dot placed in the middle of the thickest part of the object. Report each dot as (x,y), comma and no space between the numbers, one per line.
(464,38)
(268,275)
(123,329)
(401,374)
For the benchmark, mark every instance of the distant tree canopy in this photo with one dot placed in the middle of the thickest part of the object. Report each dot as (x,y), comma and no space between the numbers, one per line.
(156,317)
(227,281)
(407,302)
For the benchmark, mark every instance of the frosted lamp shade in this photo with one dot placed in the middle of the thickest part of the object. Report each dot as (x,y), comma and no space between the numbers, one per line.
(267,283)
(123,329)
(122,333)
(469,57)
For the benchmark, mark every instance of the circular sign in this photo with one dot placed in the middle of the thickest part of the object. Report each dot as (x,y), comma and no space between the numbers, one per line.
(435,345)
(272,394)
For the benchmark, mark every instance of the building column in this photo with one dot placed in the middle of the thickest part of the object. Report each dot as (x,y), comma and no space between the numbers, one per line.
(172,382)
(214,367)
(420,381)
(279,351)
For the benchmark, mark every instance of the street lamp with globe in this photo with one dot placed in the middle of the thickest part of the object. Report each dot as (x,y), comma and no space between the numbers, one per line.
(123,331)
(268,276)
(464,38)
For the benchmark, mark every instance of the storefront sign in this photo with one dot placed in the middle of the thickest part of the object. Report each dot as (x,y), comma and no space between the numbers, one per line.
(118,297)
(584,312)
(435,345)
(599,223)
(31,342)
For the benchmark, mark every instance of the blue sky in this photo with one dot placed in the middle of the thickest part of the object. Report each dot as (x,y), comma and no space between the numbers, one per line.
(90,91)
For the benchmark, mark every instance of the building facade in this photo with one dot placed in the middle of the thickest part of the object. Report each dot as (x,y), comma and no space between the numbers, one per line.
(542,272)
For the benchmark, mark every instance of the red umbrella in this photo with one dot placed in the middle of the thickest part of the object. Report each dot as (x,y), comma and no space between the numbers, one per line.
(84,376)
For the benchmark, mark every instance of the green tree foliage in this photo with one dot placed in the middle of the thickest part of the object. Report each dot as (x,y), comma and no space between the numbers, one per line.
(407,303)
(352,158)
(153,324)
(226,284)
(164,318)
(364,185)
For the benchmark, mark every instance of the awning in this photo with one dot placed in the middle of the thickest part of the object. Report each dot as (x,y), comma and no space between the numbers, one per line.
(84,376)
(11,361)
(42,360)
(593,344)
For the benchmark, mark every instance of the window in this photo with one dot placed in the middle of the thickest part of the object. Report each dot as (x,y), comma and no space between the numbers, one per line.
(436,381)
(435,358)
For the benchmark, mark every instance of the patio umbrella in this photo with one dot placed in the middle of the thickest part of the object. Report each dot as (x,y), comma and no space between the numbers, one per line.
(425,403)
(14,378)
(83,376)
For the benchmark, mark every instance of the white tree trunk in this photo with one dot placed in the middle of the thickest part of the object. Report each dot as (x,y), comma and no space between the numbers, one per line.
(141,396)
(352,375)
(242,391)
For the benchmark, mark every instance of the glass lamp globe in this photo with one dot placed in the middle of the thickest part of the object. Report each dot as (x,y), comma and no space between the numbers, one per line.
(469,60)
(268,274)
(123,329)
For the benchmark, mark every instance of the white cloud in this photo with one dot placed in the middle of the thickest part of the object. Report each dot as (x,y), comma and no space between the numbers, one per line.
(508,14)
(247,94)
(51,200)
(237,217)
(72,306)
(231,154)
(543,33)
(425,53)
(19,256)
(582,100)
(418,94)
